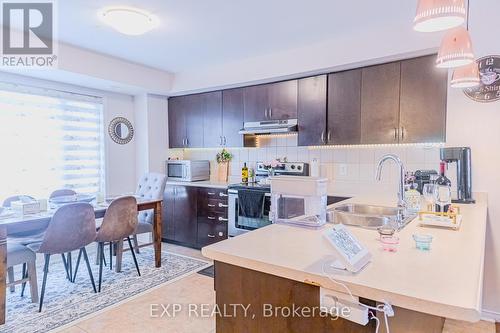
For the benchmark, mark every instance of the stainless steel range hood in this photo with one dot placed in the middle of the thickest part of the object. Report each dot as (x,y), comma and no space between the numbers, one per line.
(270,127)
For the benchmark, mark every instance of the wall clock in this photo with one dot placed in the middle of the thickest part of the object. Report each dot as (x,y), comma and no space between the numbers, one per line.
(489,87)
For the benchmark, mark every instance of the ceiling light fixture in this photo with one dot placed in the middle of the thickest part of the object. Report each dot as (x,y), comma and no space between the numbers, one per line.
(438,15)
(128,20)
(456,47)
(466,76)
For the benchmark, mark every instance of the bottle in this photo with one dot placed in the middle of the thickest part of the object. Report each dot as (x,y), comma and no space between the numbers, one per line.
(244,173)
(442,180)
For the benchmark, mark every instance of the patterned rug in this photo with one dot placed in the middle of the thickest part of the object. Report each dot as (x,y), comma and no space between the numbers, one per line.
(66,302)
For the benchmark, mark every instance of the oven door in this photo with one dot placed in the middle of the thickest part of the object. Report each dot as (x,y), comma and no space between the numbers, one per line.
(177,171)
(240,224)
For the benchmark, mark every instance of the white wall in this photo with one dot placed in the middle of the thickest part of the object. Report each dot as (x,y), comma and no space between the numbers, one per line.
(469,123)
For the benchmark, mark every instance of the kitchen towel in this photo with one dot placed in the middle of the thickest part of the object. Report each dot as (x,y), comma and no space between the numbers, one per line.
(251,203)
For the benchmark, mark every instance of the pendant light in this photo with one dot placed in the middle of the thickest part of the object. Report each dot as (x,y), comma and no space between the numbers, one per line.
(456,47)
(466,76)
(438,15)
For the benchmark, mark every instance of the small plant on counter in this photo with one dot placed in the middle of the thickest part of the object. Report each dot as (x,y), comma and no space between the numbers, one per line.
(224,156)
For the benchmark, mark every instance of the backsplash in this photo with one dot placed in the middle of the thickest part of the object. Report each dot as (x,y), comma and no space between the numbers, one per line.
(350,170)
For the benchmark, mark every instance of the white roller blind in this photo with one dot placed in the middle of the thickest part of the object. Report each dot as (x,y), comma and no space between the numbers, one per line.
(49,140)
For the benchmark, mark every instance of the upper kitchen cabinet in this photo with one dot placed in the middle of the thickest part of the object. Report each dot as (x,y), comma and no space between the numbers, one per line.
(423,101)
(176,122)
(380,103)
(232,119)
(344,108)
(185,121)
(212,119)
(312,111)
(274,101)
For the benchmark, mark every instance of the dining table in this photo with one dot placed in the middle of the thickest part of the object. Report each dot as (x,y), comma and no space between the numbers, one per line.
(15,223)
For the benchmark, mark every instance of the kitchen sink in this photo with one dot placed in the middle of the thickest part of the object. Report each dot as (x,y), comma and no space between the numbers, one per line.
(370,217)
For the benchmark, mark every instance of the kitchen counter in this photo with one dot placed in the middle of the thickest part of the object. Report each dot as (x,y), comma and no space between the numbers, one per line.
(203,183)
(445,281)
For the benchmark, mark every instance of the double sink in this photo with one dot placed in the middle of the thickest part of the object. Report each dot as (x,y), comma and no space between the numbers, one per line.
(370,217)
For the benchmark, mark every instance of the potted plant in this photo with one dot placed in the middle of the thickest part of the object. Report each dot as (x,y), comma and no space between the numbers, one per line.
(223,159)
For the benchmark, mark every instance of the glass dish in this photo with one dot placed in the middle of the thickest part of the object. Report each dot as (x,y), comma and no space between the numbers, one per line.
(389,243)
(423,241)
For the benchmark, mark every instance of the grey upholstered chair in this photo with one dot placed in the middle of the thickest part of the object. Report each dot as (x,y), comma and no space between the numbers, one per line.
(18,254)
(67,260)
(151,187)
(62,193)
(119,223)
(71,228)
(23,237)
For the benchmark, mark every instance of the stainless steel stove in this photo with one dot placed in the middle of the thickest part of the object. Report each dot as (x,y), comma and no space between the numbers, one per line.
(239,221)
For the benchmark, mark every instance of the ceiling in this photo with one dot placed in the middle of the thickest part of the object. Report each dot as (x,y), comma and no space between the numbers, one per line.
(200,33)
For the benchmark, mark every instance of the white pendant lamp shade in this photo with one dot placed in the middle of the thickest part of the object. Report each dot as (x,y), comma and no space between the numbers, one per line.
(466,76)
(455,50)
(437,15)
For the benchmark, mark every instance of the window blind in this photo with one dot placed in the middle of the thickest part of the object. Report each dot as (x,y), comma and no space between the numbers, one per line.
(49,140)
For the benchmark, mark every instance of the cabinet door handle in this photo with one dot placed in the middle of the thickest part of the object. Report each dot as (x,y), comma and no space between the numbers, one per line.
(402,133)
(210,205)
(211,217)
(222,194)
(222,205)
(225,140)
(323,137)
(395,134)
(187,142)
(329,136)
(270,112)
(210,236)
(221,219)
(211,193)
(220,140)
(266,113)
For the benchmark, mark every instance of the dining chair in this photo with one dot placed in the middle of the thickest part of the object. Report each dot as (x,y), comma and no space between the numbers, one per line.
(18,254)
(119,223)
(22,237)
(71,228)
(151,187)
(67,259)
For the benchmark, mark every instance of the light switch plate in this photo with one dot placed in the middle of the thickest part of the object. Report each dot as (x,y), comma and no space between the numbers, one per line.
(343,170)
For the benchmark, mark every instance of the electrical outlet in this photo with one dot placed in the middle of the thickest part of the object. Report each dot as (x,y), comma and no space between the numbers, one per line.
(343,170)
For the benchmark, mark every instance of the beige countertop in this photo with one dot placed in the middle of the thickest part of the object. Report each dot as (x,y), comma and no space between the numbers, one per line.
(445,281)
(203,183)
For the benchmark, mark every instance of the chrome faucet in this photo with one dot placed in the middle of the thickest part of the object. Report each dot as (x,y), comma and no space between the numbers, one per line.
(401,185)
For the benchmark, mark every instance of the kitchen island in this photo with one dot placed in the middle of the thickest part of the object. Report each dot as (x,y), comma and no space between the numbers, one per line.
(283,265)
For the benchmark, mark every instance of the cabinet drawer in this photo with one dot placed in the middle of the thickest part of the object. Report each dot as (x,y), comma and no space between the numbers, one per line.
(209,232)
(213,217)
(213,193)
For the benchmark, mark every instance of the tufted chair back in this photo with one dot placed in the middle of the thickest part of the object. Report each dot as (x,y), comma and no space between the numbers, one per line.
(62,193)
(151,187)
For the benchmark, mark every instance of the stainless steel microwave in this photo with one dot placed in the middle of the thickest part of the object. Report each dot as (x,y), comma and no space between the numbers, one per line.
(187,171)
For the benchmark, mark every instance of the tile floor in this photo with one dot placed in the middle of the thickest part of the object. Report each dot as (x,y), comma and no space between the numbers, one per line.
(135,315)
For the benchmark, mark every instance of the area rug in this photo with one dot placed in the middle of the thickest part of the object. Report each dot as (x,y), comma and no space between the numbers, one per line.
(66,302)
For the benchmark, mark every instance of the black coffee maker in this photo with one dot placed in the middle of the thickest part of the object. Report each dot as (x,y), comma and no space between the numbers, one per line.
(462,157)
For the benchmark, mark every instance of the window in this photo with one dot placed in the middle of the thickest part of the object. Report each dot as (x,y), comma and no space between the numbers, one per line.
(49,140)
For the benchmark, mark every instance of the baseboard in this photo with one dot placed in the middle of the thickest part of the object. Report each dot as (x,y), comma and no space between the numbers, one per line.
(489,315)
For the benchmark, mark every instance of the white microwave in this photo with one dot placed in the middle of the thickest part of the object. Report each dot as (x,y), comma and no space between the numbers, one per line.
(187,171)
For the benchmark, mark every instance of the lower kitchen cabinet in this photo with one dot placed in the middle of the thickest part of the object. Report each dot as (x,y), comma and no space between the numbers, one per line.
(194,216)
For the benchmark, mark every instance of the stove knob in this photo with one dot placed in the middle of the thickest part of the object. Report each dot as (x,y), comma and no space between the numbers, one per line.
(299,167)
(292,167)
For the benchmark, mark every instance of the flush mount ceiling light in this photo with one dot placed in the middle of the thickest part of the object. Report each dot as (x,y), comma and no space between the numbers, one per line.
(437,15)
(128,20)
(466,76)
(455,50)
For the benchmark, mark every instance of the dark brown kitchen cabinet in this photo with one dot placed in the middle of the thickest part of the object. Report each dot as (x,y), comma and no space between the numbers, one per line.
(212,215)
(344,108)
(380,103)
(423,101)
(180,219)
(212,119)
(176,122)
(185,124)
(312,110)
(232,117)
(274,101)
